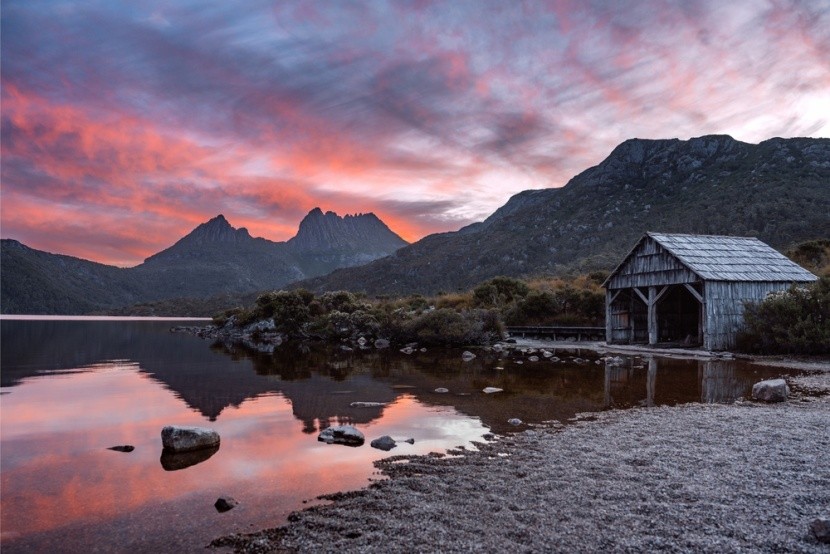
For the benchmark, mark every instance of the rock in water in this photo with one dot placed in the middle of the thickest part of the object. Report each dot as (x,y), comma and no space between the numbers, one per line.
(176,438)
(225,503)
(467,355)
(385,443)
(381,344)
(122,448)
(514,421)
(773,390)
(491,390)
(341,434)
(821,529)
(442,390)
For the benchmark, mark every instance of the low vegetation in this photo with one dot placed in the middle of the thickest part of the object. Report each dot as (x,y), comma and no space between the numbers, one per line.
(475,317)
(795,321)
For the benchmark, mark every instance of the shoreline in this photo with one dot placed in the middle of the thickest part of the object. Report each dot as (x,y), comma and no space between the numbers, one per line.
(696,477)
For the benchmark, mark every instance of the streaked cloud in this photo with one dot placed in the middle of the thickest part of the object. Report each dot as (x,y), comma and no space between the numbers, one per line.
(124,125)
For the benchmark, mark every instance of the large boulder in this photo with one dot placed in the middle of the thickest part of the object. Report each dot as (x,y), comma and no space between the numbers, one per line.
(176,438)
(772,390)
(341,434)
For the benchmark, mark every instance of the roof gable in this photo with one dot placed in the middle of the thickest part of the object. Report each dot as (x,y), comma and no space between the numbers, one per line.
(720,258)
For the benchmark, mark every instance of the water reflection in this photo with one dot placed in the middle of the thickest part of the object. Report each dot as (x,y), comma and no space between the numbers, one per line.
(73,389)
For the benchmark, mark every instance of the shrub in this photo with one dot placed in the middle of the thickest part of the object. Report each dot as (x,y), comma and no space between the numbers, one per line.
(499,291)
(795,321)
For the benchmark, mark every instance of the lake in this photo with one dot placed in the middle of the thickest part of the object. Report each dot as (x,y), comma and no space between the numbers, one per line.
(73,388)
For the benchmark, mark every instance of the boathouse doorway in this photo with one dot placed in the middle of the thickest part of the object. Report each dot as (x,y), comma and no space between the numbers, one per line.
(679,316)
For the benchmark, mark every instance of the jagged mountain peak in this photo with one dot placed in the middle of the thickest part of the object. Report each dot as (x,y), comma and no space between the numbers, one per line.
(321,231)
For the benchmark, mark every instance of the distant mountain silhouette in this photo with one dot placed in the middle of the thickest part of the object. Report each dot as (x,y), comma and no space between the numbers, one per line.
(778,191)
(214,258)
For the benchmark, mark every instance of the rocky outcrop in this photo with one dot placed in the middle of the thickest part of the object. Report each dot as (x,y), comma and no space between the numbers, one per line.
(772,390)
(177,439)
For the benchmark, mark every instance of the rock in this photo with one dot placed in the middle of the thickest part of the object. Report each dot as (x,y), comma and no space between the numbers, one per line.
(176,438)
(407,350)
(341,434)
(361,341)
(172,461)
(122,448)
(367,404)
(385,443)
(381,343)
(442,390)
(514,421)
(497,348)
(491,390)
(467,356)
(519,362)
(510,341)
(423,349)
(820,527)
(533,359)
(772,390)
(345,348)
(547,354)
(410,441)
(498,368)
(225,503)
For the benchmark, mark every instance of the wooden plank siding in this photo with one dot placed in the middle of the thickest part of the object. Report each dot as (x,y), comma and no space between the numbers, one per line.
(725,309)
(651,265)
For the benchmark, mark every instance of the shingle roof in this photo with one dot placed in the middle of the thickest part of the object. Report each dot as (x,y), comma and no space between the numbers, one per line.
(718,258)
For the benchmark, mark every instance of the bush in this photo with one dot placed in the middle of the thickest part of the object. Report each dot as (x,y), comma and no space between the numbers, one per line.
(499,291)
(795,321)
(447,327)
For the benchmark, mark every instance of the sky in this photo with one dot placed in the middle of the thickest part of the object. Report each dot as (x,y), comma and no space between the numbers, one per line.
(127,124)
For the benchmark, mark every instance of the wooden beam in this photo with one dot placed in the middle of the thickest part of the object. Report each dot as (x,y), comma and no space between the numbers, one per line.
(694,292)
(661,293)
(614,296)
(641,295)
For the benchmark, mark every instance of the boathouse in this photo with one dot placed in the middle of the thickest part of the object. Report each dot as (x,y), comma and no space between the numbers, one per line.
(689,290)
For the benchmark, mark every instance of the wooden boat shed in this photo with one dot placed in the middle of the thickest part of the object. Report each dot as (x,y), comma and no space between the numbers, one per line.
(689,290)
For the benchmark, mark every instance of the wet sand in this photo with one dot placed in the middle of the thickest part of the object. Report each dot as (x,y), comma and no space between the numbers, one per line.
(745,477)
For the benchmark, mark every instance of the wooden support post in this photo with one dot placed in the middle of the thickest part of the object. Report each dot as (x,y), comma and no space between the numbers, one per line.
(651,381)
(609,329)
(652,315)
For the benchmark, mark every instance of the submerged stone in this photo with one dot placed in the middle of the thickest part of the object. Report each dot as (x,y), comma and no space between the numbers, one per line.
(122,448)
(225,503)
(385,443)
(467,356)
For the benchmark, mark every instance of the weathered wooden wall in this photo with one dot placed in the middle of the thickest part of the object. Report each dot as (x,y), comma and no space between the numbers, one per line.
(725,309)
(651,265)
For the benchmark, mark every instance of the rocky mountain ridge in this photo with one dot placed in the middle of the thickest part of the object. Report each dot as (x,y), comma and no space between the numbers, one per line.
(778,190)
(215,258)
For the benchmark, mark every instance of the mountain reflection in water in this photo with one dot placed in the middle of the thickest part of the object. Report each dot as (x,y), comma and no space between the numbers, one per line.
(74,388)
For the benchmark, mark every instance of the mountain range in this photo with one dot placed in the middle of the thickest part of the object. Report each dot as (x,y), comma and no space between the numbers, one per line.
(215,258)
(778,190)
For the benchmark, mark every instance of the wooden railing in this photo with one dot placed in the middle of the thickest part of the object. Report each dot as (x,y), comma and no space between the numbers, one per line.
(558,332)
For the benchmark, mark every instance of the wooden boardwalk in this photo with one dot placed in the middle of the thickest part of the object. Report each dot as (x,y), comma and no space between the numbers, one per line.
(558,332)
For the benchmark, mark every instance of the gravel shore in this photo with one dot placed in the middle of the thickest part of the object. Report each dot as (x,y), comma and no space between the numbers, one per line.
(745,477)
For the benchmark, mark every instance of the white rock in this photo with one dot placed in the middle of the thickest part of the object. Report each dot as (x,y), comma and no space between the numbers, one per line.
(533,359)
(514,421)
(772,390)
(467,356)
(491,390)
(175,438)
(442,390)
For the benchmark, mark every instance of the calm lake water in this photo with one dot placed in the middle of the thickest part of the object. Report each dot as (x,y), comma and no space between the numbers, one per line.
(71,389)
